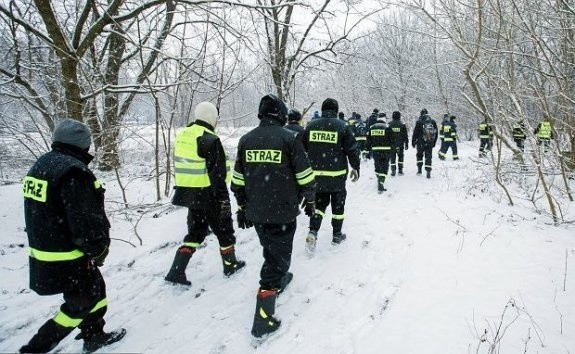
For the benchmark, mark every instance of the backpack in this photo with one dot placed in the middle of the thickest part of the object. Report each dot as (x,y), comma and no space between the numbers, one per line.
(429,131)
(361,129)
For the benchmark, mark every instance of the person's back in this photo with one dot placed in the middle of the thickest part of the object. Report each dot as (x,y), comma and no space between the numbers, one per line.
(294,123)
(399,142)
(68,235)
(425,138)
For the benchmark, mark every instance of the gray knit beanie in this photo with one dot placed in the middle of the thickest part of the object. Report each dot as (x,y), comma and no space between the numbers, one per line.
(72,132)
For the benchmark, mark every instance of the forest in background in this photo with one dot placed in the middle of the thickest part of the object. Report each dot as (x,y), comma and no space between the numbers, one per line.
(120,64)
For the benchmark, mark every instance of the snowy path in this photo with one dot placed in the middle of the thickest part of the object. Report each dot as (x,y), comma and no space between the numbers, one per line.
(426,268)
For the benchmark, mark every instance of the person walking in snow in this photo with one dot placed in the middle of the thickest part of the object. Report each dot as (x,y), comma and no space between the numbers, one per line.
(272,170)
(544,133)
(202,171)
(379,142)
(68,236)
(399,142)
(485,138)
(294,123)
(424,137)
(519,135)
(330,145)
(449,131)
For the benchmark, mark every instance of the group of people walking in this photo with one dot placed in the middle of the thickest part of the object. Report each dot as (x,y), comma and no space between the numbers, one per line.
(279,169)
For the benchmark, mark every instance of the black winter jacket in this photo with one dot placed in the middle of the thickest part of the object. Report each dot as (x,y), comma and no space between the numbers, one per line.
(330,144)
(379,137)
(297,128)
(398,134)
(64,214)
(272,170)
(210,148)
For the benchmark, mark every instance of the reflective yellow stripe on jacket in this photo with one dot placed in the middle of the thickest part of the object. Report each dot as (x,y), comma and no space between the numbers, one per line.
(46,256)
(544,130)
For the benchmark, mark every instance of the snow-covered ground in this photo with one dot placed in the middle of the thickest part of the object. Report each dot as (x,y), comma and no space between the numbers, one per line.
(431,266)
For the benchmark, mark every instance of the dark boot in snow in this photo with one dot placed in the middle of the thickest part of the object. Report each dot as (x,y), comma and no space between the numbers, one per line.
(310,242)
(380,184)
(177,273)
(95,341)
(393,171)
(264,322)
(338,238)
(400,172)
(418,170)
(428,174)
(48,337)
(231,264)
(285,282)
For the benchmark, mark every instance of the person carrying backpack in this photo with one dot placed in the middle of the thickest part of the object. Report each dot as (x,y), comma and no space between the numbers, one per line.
(485,138)
(424,138)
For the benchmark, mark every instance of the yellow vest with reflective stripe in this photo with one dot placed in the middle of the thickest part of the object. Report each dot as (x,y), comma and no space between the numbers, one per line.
(544,131)
(190,169)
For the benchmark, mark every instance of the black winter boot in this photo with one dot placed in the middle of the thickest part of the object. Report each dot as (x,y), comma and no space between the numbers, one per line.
(338,238)
(264,322)
(418,170)
(428,173)
(48,337)
(231,264)
(393,171)
(380,184)
(177,273)
(95,341)
(400,172)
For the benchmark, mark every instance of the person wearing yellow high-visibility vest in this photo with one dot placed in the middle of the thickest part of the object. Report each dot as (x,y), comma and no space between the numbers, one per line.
(202,173)
(485,138)
(68,235)
(544,133)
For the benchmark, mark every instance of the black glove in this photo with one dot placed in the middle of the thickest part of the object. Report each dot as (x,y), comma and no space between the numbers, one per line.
(99,259)
(225,210)
(243,223)
(308,207)
(354,175)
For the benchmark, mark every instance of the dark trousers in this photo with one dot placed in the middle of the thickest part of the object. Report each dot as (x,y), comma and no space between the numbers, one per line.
(445,145)
(322,200)
(200,220)
(520,144)
(397,155)
(485,145)
(381,162)
(84,306)
(277,243)
(424,151)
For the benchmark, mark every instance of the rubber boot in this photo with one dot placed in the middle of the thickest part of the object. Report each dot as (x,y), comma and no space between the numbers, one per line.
(393,171)
(264,322)
(418,170)
(400,172)
(231,264)
(95,341)
(338,237)
(177,273)
(428,174)
(48,337)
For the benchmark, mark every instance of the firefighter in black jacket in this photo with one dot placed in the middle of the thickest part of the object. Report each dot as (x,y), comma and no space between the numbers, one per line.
(271,170)
(519,135)
(68,235)
(424,137)
(449,132)
(380,144)
(399,142)
(294,123)
(202,171)
(330,144)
